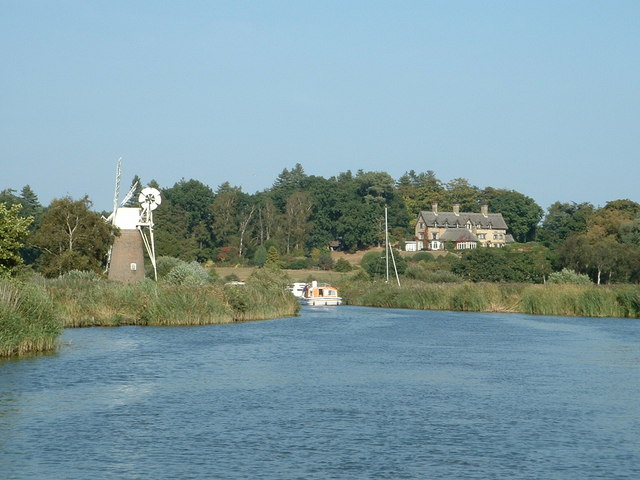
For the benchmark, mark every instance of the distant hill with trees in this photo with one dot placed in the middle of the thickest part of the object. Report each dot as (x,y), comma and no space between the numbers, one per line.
(302,217)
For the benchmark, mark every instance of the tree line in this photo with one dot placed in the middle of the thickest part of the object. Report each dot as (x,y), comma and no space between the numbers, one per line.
(301,216)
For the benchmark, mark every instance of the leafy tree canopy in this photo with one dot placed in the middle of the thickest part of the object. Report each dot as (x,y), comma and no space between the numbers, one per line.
(521,213)
(13,231)
(72,237)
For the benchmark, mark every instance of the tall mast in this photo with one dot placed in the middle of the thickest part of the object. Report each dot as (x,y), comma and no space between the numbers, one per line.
(388,249)
(386,243)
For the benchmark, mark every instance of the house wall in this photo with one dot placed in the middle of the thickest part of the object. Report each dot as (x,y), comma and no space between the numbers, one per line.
(492,237)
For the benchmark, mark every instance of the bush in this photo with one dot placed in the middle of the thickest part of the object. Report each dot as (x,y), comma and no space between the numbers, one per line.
(325,262)
(164,265)
(419,272)
(343,265)
(191,273)
(297,263)
(422,257)
(569,276)
(260,256)
(374,263)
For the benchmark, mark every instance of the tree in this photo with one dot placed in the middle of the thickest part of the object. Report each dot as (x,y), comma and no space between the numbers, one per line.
(460,191)
(30,208)
(260,256)
(273,258)
(375,263)
(72,237)
(183,222)
(484,265)
(521,213)
(194,198)
(13,230)
(287,183)
(420,191)
(563,220)
(133,201)
(297,225)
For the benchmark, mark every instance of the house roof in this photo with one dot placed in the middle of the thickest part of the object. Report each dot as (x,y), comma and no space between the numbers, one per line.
(491,220)
(458,235)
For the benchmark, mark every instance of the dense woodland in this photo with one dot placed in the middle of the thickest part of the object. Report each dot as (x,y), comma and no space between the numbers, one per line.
(300,216)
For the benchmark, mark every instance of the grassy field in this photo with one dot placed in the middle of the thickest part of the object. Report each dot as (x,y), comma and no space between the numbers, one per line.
(304,275)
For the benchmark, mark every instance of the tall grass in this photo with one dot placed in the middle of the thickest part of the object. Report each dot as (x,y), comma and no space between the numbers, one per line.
(85,303)
(565,300)
(28,321)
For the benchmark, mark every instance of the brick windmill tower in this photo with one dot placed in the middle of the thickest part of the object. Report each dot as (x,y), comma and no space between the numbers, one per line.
(126,257)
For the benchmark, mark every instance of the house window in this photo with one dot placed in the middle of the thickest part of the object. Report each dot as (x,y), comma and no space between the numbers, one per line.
(434,236)
(421,224)
(482,236)
(420,236)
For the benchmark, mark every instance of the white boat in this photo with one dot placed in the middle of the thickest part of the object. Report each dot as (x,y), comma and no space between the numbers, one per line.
(320,294)
(297,289)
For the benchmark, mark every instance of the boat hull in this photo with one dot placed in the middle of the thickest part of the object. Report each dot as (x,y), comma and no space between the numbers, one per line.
(321,301)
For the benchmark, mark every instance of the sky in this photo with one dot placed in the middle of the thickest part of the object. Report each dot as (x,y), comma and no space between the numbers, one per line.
(541,97)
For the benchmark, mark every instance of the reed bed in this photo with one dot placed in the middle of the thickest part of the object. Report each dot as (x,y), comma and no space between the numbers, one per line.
(565,300)
(28,321)
(85,303)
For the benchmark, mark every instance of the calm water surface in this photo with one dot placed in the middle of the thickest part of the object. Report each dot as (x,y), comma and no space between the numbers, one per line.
(336,393)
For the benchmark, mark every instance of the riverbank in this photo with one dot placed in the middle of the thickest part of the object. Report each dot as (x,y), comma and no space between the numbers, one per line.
(28,319)
(621,301)
(32,315)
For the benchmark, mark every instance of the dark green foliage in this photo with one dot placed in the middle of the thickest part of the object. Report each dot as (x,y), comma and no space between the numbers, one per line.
(375,264)
(325,262)
(164,265)
(260,256)
(419,272)
(422,257)
(297,263)
(484,265)
(72,237)
(343,265)
(563,220)
(521,213)
(514,264)
(273,259)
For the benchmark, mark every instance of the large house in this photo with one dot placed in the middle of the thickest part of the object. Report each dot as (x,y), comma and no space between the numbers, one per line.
(463,229)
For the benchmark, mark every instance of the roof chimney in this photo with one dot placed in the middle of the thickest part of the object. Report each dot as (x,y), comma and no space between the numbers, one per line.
(434,207)
(484,209)
(456,209)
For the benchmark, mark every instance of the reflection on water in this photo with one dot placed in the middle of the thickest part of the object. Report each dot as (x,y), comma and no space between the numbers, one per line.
(341,392)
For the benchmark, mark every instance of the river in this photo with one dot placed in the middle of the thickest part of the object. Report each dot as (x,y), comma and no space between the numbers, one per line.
(336,393)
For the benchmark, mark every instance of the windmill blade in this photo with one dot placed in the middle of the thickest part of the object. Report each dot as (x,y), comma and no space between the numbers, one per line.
(116,193)
(129,194)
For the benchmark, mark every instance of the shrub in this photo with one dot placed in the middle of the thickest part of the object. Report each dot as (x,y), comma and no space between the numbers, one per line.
(343,265)
(297,263)
(569,276)
(325,261)
(164,265)
(422,257)
(374,263)
(188,274)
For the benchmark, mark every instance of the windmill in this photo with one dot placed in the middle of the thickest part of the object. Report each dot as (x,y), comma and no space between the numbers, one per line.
(126,257)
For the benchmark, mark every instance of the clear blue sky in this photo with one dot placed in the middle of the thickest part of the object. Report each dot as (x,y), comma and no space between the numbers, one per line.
(542,97)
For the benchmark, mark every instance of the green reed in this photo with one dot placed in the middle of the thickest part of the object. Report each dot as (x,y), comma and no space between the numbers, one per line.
(104,303)
(28,320)
(565,300)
